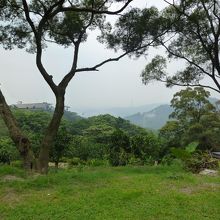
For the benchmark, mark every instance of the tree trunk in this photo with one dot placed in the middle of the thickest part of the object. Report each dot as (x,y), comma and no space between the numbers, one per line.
(51,132)
(56,165)
(21,141)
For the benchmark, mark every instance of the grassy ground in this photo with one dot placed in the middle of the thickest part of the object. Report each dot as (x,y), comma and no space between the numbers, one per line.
(151,193)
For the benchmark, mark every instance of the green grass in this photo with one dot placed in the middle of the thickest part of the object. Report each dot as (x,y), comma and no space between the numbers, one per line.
(151,193)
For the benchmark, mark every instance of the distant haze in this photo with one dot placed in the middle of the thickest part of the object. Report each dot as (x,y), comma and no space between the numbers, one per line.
(115,85)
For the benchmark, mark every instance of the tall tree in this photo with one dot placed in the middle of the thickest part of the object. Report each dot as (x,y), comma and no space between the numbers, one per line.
(193,37)
(196,119)
(190,105)
(32,24)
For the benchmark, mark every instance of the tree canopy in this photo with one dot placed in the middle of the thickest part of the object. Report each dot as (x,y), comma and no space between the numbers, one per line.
(194,119)
(192,37)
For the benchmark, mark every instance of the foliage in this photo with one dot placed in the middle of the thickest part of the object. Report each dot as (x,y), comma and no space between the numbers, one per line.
(85,149)
(7,151)
(119,148)
(191,104)
(97,162)
(135,31)
(75,161)
(195,119)
(145,146)
(192,37)
(194,160)
(61,143)
(92,140)
(200,161)
(3,129)
(170,135)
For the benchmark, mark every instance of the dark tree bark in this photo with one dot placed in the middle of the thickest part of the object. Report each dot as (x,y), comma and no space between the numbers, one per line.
(48,141)
(56,165)
(21,141)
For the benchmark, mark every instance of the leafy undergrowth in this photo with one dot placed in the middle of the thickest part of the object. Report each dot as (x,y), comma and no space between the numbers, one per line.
(151,193)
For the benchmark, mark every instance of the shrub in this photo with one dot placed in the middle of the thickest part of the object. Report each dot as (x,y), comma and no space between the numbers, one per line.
(195,161)
(119,148)
(200,161)
(8,151)
(167,159)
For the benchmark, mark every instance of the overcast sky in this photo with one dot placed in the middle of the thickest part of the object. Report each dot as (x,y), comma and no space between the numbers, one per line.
(115,85)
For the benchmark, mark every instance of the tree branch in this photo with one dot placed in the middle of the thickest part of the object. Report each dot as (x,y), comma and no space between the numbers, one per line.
(64,9)
(94,68)
(186,59)
(192,85)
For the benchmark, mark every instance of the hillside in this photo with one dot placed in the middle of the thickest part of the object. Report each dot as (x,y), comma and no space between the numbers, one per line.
(153,119)
(156,118)
(29,119)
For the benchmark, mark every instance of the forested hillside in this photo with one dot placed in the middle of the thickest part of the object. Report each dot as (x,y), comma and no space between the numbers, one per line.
(154,119)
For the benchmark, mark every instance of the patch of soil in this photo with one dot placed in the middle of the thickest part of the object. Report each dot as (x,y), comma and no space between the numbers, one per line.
(7,178)
(195,189)
(9,196)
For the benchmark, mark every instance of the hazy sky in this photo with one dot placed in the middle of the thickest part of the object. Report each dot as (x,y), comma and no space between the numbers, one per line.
(116,84)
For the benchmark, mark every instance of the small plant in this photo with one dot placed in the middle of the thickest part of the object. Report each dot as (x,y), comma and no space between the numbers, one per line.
(193,160)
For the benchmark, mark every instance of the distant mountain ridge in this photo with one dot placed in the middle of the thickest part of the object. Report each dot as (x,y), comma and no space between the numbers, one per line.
(154,119)
(117,111)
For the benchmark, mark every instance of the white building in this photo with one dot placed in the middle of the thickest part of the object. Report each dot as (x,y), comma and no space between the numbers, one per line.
(39,106)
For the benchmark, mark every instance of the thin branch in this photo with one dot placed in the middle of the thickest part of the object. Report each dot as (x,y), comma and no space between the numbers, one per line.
(95,68)
(192,85)
(209,17)
(186,59)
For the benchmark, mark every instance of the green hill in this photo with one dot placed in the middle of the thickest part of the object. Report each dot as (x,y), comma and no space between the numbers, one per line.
(37,120)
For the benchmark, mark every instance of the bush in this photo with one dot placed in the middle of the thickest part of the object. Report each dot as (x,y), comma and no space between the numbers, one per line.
(8,152)
(85,149)
(195,161)
(200,161)
(167,159)
(120,158)
(150,161)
